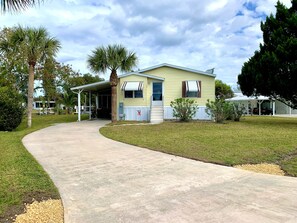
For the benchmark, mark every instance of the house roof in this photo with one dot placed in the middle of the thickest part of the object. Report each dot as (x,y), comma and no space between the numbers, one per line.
(105,84)
(142,75)
(209,72)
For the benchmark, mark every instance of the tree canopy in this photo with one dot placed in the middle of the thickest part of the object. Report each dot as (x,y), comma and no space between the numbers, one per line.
(33,46)
(272,71)
(223,90)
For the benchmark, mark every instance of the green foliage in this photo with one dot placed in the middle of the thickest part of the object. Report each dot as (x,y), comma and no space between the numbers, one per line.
(112,57)
(11,110)
(237,111)
(272,71)
(222,90)
(219,110)
(184,109)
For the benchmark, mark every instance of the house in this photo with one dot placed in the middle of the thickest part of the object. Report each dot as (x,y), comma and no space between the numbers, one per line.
(262,105)
(44,107)
(145,95)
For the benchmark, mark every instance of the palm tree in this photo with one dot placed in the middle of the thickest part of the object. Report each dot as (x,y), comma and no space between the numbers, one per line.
(17,5)
(112,57)
(33,45)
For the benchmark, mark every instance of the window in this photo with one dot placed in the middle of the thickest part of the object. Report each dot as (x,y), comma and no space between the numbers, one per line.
(191,89)
(133,94)
(133,89)
(138,94)
(128,94)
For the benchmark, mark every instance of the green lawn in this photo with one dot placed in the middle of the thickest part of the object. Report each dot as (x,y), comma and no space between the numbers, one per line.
(21,177)
(252,140)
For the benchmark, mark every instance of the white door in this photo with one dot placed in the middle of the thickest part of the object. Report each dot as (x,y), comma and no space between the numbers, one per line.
(157,99)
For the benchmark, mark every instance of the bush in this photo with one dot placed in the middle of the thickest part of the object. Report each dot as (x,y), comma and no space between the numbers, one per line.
(219,110)
(237,111)
(184,109)
(11,110)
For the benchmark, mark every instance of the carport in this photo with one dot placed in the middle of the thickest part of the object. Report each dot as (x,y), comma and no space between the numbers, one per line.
(101,108)
(253,102)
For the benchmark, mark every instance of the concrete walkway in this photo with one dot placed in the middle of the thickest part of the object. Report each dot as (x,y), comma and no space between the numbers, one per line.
(101,180)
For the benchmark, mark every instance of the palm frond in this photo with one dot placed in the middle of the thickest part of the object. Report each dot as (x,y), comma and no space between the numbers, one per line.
(17,5)
(112,57)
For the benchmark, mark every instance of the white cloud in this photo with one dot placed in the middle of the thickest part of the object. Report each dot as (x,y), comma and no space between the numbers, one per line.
(197,34)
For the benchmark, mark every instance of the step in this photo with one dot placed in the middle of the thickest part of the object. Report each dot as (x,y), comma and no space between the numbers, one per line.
(156,121)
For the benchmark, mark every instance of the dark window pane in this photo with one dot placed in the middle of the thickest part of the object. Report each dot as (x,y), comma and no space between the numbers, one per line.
(128,94)
(192,94)
(138,94)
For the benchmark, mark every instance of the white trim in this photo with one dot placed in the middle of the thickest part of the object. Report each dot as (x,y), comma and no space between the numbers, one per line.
(86,86)
(142,75)
(158,103)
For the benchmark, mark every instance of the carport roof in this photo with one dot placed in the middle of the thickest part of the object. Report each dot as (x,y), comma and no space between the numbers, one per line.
(105,84)
(92,87)
(241,97)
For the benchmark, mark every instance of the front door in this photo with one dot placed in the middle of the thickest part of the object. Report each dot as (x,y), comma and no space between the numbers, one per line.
(157,93)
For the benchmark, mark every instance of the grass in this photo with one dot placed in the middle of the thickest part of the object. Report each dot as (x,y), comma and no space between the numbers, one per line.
(22,178)
(252,140)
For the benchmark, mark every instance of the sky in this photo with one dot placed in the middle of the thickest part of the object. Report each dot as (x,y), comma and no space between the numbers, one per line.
(198,34)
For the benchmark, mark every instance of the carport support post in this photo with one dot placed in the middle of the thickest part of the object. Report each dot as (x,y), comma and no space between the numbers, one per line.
(273,107)
(90,104)
(97,101)
(79,105)
(260,102)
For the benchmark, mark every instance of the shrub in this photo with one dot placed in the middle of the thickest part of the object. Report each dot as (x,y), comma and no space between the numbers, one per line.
(219,110)
(237,111)
(184,109)
(11,110)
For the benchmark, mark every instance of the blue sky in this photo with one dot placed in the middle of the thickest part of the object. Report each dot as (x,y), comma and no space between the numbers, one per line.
(197,34)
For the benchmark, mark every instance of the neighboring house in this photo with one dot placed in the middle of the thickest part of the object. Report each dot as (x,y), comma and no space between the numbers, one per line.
(262,105)
(145,95)
(44,107)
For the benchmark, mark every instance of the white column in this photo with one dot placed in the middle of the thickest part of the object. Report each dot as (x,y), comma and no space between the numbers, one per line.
(97,101)
(78,106)
(90,105)
(260,102)
(273,108)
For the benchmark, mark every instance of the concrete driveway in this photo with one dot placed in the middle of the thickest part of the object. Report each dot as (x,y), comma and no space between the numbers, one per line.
(101,180)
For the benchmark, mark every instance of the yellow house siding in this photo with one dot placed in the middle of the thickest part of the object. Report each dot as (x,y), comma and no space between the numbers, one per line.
(173,84)
(133,101)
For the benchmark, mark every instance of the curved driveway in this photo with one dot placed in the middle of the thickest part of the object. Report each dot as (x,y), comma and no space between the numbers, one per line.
(101,180)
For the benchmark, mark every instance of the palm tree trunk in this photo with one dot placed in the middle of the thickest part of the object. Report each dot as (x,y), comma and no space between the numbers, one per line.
(113,83)
(113,103)
(30,94)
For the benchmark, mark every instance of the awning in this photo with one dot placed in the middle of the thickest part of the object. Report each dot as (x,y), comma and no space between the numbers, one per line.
(132,86)
(192,86)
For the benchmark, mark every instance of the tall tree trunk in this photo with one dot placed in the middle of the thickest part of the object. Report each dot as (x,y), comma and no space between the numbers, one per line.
(30,93)
(113,82)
